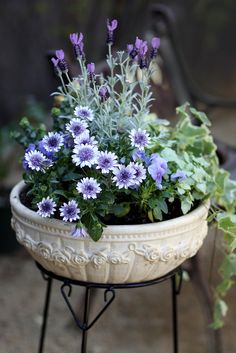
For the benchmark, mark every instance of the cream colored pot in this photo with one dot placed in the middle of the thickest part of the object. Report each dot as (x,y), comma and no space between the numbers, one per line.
(126,253)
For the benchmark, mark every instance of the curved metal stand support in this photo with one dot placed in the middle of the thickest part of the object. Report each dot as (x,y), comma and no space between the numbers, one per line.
(109,295)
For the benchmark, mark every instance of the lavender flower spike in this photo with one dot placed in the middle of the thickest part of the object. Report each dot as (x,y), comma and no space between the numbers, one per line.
(78,45)
(111,26)
(155,46)
(103,93)
(61,60)
(91,70)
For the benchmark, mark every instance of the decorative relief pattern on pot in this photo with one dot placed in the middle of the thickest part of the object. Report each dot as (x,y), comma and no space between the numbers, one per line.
(68,255)
(154,255)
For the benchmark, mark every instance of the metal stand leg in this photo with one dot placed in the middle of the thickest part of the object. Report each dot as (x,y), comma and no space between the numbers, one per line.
(85,321)
(175,291)
(45,313)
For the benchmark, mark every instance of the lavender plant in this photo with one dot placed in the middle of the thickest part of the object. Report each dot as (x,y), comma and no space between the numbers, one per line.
(106,160)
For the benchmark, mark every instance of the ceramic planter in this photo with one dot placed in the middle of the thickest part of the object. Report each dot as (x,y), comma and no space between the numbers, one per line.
(126,253)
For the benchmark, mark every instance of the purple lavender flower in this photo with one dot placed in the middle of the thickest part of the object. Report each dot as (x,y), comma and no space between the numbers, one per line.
(106,161)
(103,93)
(180,175)
(142,48)
(157,169)
(139,138)
(52,142)
(84,113)
(123,176)
(111,26)
(46,207)
(61,60)
(140,173)
(35,160)
(91,70)
(76,127)
(70,211)
(89,188)
(85,139)
(55,65)
(132,51)
(79,232)
(78,45)
(155,46)
(84,155)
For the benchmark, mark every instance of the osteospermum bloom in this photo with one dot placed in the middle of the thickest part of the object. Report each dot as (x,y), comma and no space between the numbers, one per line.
(106,161)
(70,211)
(84,113)
(46,207)
(52,142)
(84,155)
(89,188)
(35,160)
(140,173)
(85,139)
(123,176)
(139,138)
(76,127)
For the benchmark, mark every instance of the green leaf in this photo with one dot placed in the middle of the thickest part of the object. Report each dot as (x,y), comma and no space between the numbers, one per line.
(220,310)
(121,209)
(186,204)
(200,116)
(157,213)
(94,227)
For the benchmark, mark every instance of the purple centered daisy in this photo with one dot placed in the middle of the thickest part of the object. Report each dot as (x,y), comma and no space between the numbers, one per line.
(85,139)
(140,173)
(139,138)
(35,160)
(70,211)
(89,187)
(157,169)
(124,176)
(106,161)
(46,207)
(84,113)
(52,142)
(76,127)
(84,155)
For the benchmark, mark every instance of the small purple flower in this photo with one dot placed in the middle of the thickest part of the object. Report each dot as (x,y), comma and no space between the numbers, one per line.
(41,148)
(157,169)
(106,161)
(52,142)
(84,155)
(89,187)
(79,232)
(46,207)
(68,141)
(78,45)
(76,127)
(35,160)
(111,26)
(140,173)
(139,138)
(84,113)
(91,70)
(85,139)
(103,93)
(155,46)
(31,147)
(55,65)
(132,51)
(123,176)
(141,155)
(61,60)
(142,48)
(180,175)
(70,211)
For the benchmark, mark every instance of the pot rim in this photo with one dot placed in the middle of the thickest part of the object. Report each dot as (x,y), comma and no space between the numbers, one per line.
(20,210)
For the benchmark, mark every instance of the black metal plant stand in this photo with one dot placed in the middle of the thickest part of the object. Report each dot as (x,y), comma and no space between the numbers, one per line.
(109,295)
